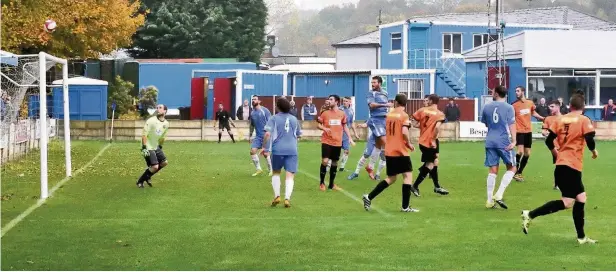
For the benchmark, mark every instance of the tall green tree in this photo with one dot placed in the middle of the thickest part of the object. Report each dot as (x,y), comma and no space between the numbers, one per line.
(203,29)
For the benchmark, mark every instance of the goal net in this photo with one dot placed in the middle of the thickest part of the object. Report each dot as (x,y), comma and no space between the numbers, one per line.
(34,94)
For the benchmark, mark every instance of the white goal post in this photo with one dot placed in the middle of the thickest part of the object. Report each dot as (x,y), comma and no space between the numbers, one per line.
(18,76)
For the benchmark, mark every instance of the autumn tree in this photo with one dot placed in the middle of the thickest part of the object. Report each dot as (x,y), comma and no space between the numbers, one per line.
(85,28)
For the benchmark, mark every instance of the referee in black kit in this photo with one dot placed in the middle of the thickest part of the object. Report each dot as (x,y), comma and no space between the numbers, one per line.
(223,119)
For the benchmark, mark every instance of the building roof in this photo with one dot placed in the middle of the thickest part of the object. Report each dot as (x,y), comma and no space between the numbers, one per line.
(544,16)
(82,81)
(368,39)
(536,49)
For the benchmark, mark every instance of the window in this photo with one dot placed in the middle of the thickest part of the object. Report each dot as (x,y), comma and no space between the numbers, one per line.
(551,88)
(413,88)
(452,43)
(608,89)
(481,39)
(396,41)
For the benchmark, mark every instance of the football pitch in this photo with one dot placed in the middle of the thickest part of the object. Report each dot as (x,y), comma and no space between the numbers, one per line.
(206,212)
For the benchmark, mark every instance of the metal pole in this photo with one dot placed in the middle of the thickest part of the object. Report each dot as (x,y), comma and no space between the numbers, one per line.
(43,124)
(67,122)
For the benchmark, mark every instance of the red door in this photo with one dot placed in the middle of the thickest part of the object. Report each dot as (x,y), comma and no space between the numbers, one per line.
(493,80)
(222,94)
(197,98)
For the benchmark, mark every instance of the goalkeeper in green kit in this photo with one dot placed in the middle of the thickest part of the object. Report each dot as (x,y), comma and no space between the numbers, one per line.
(152,140)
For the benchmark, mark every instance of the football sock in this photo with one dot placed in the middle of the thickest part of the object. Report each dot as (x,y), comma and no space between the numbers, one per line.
(378,189)
(276,185)
(288,188)
(360,164)
(269,163)
(371,163)
(145,176)
(518,160)
(505,181)
(523,164)
(232,138)
(548,208)
(219,136)
(490,185)
(578,219)
(423,172)
(380,168)
(323,172)
(343,160)
(332,175)
(255,161)
(406,195)
(434,176)
(329,165)
(376,152)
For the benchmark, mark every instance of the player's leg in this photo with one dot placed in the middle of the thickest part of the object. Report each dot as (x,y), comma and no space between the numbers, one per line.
(277,164)
(384,184)
(377,126)
(268,157)
(162,163)
(152,166)
(346,149)
(406,167)
(565,180)
(428,157)
(491,162)
(382,164)
(290,166)
(578,217)
(220,128)
(325,154)
(519,139)
(360,164)
(255,145)
(228,128)
(333,170)
(508,159)
(527,143)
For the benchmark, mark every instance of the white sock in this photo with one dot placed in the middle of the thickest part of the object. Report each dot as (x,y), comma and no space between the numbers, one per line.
(255,161)
(343,160)
(372,162)
(288,188)
(504,183)
(491,183)
(276,185)
(381,166)
(269,163)
(360,164)
(376,152)
(329,165)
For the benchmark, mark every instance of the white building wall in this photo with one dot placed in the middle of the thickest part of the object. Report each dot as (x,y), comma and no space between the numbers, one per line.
(356,58)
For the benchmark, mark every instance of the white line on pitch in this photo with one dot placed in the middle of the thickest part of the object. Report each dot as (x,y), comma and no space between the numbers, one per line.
(40,202)
(346,193)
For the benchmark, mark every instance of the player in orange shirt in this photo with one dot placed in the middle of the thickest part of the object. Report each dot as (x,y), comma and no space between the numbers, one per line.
(524,109)
(333,123)
(571,132)
(429,120)
(547,122)
(396,155)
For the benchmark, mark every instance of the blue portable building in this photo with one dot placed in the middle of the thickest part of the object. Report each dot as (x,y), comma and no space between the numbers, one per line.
(87,99)
(173,80)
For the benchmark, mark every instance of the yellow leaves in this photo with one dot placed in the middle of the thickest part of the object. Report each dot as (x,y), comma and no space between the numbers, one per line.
(85,28)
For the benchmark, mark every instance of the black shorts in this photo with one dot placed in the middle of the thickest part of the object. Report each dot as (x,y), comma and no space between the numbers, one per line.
(429,154)
(224,126)
(525,139)
(331,152)
(398,165)
(569,181)
(156,157)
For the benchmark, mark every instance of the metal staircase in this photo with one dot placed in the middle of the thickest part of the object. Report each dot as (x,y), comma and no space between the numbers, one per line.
(449,67)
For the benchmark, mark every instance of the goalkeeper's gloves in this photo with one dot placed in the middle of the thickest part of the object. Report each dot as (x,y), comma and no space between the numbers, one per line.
(145,151)
(160,147)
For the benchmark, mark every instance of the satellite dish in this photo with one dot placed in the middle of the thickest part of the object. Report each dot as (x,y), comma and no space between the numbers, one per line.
(275,51)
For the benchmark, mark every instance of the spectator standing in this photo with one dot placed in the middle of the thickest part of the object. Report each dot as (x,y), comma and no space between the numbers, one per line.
(243,112)
(609,111)
(293,110)
(542,108)
(309,110)
(563,107)
(452,111)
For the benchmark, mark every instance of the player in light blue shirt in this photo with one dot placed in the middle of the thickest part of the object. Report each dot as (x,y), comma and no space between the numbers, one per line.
(370,143)
(258,119)
(379,105)
(282,132)
(499,118)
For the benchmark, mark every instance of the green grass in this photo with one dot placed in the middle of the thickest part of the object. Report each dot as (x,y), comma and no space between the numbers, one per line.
(207,213)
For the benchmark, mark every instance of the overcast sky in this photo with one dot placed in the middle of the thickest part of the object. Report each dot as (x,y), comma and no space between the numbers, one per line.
(319,4)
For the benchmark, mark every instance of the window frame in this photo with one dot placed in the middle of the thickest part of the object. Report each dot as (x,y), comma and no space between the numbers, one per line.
(451,43)
(391,38)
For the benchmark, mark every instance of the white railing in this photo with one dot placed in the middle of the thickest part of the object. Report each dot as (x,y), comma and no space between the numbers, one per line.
(452,65)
